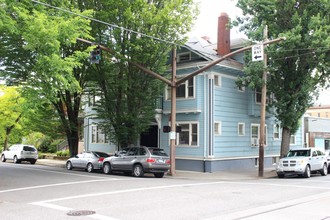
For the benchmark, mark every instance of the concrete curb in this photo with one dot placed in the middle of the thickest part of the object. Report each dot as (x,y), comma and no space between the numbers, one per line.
(181,174)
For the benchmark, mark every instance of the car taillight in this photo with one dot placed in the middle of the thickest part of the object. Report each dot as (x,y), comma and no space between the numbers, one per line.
(168,161)
(151,160)
(101,159)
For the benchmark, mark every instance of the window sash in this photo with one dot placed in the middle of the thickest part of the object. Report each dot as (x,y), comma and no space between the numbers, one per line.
(255,135)
(188,135)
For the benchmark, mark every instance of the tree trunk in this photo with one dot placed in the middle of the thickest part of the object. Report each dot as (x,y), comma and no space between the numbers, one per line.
(285,144)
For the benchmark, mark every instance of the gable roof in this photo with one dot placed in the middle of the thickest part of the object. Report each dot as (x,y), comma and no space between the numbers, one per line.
(207,50)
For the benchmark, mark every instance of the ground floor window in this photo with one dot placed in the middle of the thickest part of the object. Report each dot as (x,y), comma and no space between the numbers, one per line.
(188,135)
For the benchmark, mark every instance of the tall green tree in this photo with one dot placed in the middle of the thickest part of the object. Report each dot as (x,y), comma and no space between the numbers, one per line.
(39,50)
(129,96)
(12,108)
(297,66)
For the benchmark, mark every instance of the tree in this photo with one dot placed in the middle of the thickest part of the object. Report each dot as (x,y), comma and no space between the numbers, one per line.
(11,111)
(128,95)
(297,66)
(39,50)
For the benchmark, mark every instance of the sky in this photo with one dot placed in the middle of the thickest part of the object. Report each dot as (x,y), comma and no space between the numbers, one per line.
(207,21)
(206,25)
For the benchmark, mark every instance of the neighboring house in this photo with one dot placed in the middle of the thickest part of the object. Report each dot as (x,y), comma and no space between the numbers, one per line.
(317,132)
(319,111)
(220,122)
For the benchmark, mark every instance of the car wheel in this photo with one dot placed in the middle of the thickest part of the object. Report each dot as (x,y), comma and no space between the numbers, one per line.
(33,161)
(324,171)
(138,170)
(3,158)
(69,165)
(16,160)
(90,168)
(159,175)
(106,168)
(280,175)
(307,172)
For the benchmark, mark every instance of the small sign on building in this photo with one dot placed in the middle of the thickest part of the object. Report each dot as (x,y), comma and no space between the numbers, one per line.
(257,52)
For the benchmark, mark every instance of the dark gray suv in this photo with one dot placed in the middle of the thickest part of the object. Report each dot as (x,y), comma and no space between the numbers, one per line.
(137,161)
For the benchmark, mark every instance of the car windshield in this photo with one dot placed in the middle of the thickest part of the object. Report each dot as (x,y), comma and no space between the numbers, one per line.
(158,152)
(27,148)
(299,153)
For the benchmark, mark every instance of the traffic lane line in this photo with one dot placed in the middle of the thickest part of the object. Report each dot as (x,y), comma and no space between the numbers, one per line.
(47,203)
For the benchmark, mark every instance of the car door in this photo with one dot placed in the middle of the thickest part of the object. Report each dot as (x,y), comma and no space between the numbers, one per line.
(11,152)
(119,161)
(315,161)
(77,160)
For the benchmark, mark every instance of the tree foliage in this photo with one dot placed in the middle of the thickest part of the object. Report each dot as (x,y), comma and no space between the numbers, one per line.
(40,51)
(297,66)
(128,102)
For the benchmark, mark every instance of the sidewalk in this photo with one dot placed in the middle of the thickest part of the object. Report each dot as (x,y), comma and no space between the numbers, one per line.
(181,174)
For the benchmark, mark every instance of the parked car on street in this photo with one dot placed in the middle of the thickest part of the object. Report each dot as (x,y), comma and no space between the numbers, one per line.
(137,161)
(90,161)
(327,154)
(20,152)
(303,162)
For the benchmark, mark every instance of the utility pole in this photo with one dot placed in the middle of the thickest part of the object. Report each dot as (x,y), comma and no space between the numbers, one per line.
(173,114)
(263,111)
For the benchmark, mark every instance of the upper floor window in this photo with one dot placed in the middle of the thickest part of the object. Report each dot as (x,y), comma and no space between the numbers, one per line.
(293,139)
(183,91)
(217,80)
(182,57)
(241,129)
(258,95)
(217,128)
(98,135)
(188,135)
(276,133)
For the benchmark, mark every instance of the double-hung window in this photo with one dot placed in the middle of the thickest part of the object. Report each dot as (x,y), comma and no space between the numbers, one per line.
(183,91)
(98,135)
(188,135)
(255,135)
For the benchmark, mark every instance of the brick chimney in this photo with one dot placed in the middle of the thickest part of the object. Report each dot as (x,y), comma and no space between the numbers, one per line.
(223,46)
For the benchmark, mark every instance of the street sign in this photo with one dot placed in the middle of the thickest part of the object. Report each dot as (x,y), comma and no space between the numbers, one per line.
(257,52)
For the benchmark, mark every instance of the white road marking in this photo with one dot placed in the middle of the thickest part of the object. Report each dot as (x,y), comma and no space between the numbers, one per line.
(59,184)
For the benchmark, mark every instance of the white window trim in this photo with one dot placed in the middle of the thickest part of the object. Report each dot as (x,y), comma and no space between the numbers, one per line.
(179,55)
(179,123)
(294,138)
(218,125)
(219,84)
(167,90)
(97,135)
(238,130)
(255,142)
(279,132)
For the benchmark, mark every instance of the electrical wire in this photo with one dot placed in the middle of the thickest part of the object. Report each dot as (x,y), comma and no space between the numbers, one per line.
(109,24)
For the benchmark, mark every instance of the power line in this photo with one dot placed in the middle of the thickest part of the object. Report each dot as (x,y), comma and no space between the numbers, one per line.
(103,22)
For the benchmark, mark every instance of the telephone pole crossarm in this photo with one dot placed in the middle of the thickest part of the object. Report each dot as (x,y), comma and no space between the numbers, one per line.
(223,58)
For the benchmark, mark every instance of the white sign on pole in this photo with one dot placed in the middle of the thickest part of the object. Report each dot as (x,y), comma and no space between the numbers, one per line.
(172,135)
(257,52)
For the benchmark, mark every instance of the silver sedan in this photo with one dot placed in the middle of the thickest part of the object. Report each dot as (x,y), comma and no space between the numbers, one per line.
(89,161)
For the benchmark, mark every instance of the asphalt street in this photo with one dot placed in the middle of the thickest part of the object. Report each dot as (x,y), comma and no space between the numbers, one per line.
(52,192)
